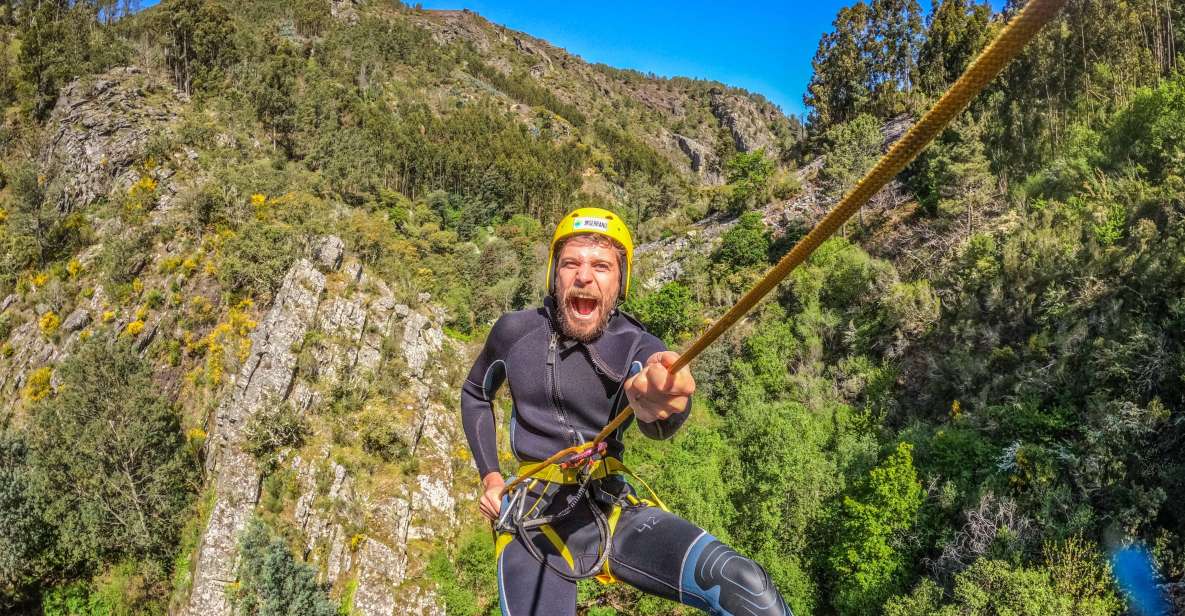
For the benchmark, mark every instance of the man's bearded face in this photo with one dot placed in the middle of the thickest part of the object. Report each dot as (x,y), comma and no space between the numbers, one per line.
(588,280)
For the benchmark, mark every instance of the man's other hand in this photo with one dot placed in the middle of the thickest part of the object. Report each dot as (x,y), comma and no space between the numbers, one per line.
(491,496)
(655,393)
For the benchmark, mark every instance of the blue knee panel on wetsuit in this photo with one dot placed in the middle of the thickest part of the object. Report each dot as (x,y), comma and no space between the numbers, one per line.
(718,580)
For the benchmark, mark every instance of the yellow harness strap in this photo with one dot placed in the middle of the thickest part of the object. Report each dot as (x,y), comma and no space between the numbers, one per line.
(599,469)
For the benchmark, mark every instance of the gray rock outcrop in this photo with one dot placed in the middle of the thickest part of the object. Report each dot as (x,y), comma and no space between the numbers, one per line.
(98,129)
(748,124)
(265,378)
(703,160)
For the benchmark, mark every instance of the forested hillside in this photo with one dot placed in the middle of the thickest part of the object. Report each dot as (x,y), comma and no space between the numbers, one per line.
(250,248)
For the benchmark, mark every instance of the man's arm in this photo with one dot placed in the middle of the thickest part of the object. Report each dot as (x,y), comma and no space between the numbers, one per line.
(477,401)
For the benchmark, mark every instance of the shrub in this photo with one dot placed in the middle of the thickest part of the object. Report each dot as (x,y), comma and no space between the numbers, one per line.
(273,583)
(49,323)
(379,431)
(744,245)
(668,313)
(467,583)
(273,428)
(255,260)
(37,385)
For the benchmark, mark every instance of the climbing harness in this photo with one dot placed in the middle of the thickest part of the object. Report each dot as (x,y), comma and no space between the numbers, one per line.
(600,483)
(583,464)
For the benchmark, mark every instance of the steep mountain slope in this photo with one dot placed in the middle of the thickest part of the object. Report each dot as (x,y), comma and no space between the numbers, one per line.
(298,337)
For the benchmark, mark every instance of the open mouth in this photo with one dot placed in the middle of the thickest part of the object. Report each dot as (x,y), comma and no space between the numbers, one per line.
(583,306)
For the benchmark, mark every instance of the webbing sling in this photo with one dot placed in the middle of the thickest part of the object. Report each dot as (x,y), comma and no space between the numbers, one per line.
(1006,46)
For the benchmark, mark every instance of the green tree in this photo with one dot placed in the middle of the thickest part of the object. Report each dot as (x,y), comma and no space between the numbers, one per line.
(748,176)
(745,244)
(272,582)
(895,30)
(60,41)
(838,89)
(200,42)
(956,31)
(108,452)
(25,537)
(273,89)
(669,313)
(870,559)
(851,149)
(1149,133)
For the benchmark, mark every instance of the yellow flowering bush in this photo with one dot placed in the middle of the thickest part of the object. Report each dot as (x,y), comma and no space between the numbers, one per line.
(190,265)
(134,328)
(108,315)
(141,313)
(37,384)
(258,199)
(49,323)
(73,268)
(233,333)
(169,264)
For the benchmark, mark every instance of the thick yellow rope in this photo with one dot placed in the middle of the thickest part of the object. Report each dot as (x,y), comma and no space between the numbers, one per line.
(1006,46)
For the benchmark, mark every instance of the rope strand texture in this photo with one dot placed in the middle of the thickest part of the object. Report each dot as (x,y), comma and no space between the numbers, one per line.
(1006,46)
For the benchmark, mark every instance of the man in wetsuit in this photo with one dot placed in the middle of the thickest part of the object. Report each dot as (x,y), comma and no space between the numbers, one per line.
(572,365)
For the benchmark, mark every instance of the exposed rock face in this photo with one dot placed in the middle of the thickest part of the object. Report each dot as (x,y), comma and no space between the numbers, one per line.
(703,160)
(98,129)
(345,10)
(748,124)
(327,252)
(349,533)
(265,378)
(77,320)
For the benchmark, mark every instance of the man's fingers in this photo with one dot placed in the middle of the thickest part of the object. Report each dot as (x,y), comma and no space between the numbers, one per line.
(666,358)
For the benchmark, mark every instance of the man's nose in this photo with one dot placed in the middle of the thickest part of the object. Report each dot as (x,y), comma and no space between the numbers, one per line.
(584,274)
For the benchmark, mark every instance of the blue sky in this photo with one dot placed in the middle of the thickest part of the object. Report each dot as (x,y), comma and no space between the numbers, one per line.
(759,45)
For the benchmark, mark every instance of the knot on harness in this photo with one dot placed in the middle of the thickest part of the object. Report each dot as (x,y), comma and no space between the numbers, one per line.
(584,458)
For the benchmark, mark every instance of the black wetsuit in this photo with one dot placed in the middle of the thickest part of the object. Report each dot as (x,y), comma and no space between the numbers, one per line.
(563,392)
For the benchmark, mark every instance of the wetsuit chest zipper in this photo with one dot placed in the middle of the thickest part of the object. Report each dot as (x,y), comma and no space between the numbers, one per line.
(553,382)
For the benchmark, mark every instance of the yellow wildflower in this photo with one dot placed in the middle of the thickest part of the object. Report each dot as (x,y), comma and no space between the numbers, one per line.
(49,323)
(37,385)
(74,267)
(134,328)
(258,199)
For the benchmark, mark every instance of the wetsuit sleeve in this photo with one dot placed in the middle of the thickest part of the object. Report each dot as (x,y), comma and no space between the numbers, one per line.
(663,428)
(477,399)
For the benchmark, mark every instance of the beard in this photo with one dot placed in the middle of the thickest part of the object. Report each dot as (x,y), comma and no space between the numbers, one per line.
(576,324)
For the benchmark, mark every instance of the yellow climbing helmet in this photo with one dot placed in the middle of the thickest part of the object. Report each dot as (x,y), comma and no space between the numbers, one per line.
(593,220)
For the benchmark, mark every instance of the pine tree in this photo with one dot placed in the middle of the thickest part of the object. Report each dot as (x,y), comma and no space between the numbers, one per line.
(956,31)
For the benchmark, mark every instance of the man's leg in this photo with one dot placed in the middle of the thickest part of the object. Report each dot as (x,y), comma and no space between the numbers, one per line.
(662,554)
(527,588)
